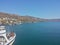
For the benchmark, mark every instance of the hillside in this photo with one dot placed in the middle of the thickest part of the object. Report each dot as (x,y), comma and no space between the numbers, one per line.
(16,18)
(53,20)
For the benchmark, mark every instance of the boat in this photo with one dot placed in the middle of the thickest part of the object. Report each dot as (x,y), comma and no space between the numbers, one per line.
(6,38)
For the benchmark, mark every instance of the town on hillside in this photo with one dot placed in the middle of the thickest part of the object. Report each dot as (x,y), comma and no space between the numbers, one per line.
(6,18)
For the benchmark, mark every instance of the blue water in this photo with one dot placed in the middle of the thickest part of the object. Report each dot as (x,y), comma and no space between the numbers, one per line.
(43,33)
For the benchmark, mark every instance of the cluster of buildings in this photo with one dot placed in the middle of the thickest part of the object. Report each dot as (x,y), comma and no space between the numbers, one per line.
(6,20)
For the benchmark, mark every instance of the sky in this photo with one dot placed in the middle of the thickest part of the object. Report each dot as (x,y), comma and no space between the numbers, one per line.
(48,9)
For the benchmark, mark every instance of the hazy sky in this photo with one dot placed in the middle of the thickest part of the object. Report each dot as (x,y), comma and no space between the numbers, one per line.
(36,8)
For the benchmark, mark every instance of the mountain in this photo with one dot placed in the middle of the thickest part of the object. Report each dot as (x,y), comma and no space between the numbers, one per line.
(6,17)
(20,18)
(53,20)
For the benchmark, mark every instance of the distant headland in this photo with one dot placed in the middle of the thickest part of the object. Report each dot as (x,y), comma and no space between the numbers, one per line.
(6,18)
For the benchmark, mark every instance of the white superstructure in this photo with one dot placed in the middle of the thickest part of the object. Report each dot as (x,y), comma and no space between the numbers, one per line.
(6,38)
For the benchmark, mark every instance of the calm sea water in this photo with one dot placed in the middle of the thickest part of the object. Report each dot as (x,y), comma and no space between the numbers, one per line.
(43,33)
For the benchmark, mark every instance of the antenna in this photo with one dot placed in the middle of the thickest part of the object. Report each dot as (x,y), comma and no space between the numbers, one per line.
(12,28)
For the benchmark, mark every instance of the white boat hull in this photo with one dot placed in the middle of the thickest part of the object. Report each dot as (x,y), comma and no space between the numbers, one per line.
(6,38)
(12,42)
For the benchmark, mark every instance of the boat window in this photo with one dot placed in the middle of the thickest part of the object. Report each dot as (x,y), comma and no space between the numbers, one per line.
(2,39)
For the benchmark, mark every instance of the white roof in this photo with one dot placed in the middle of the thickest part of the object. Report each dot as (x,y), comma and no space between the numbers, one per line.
(2,27)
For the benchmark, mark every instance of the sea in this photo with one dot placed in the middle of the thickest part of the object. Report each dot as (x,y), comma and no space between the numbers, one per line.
(42,33)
